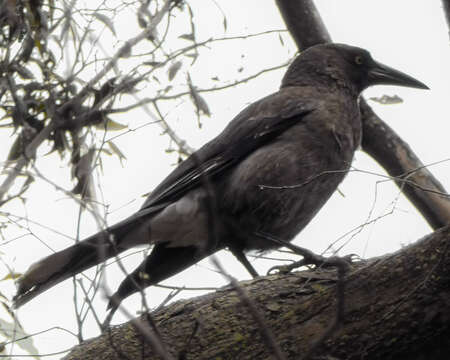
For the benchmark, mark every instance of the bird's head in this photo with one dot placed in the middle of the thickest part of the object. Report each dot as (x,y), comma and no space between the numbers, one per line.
(346,66)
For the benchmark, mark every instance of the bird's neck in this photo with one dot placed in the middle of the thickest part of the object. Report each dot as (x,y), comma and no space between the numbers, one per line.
(330,79)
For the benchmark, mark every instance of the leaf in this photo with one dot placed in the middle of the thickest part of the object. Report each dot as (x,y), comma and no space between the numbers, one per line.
(193,56)
(117,151)
(174,69)
(19,113)
(128,85)
(16,149)
(34,6)
(82,172)
(105,91)
(190,37)
(111,125)
(60,143)
(12,276)
(23,72)
(387,100)
(152,63)
(105,20)
(27,49)
(199,101)
(13,330)
(84,165)
(166,89)
(32,86)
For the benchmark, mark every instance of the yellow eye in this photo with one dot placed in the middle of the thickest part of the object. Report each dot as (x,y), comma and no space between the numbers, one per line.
(359,60)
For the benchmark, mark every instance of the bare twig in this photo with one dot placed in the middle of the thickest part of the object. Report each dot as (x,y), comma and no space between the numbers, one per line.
(77,99)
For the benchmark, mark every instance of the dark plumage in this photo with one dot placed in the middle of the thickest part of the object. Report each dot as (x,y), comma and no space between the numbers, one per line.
(265,176)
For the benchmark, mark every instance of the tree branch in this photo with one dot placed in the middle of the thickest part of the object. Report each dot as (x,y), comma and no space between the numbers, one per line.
(397,158)
(446,8)
(397,308)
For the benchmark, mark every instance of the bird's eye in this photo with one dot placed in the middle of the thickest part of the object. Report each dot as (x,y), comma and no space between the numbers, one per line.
(359,59)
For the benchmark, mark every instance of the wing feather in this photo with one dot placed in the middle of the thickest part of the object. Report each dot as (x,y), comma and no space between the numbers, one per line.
(254,127)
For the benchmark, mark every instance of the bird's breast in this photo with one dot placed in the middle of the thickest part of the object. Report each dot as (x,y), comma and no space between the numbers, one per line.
(281,186)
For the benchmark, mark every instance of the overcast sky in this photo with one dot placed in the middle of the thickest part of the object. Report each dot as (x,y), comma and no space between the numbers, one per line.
(409,35)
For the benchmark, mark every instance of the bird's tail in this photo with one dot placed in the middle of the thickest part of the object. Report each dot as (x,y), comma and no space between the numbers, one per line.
(61,265)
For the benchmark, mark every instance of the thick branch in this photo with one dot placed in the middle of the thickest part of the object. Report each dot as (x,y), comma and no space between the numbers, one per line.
(446,8)
(398,308)
(303,22)
(379,140)
(397,158)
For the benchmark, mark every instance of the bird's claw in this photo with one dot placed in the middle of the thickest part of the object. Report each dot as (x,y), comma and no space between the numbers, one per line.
(350,258)
(345,261)
(285,269)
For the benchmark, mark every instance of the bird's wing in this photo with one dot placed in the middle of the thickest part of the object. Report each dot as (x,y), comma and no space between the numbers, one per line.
(254,127)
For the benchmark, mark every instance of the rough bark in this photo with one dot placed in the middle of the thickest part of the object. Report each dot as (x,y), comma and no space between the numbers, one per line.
(379,140)
(398,307)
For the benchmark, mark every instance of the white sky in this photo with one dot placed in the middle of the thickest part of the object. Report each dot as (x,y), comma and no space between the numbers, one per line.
(414,41)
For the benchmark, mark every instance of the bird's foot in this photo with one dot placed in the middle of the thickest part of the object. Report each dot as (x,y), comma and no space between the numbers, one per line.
(309,258)
(285,269)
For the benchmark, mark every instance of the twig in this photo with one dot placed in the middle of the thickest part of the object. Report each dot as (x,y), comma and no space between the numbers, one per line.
(77,99)
(182,144)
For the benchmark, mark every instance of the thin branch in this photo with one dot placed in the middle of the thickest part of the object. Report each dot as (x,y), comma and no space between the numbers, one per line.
(124,49)
(77,99)
(183,146)
(217,88)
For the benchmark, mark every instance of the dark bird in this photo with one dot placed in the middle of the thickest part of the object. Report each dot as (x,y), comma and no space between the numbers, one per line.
(263,178)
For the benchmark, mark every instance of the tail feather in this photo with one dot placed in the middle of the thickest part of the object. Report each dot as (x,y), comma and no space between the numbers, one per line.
(59,266)
(163,262)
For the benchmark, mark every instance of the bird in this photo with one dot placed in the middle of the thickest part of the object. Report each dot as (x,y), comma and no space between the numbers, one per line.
(263,178)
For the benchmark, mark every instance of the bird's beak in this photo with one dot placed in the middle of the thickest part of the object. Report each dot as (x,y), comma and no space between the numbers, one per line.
(383,74)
